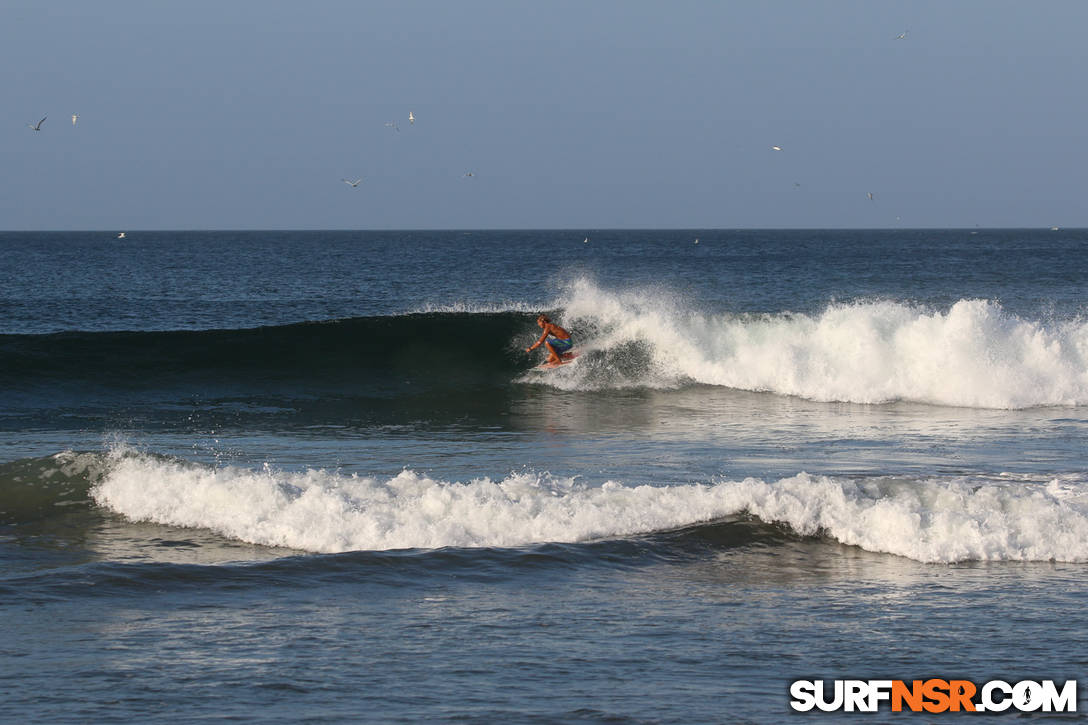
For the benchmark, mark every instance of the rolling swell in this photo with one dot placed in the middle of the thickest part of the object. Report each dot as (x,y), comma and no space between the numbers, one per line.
(371,356)
(406,568)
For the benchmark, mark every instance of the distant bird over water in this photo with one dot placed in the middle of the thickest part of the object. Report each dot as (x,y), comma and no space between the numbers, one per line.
(411,117)
(37,127)
(869,194)
(902,35)
(776,148)
(121,235)
(351,183)
(74,117)
(467,175)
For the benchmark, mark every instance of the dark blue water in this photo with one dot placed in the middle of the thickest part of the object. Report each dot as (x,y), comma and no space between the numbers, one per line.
(65,281)
(314,475)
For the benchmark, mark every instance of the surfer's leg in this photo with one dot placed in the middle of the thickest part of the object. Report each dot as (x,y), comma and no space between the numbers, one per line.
(561,348)
(553,356)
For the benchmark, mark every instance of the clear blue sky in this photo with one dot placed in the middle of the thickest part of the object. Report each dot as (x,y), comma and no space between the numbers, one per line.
(582,114)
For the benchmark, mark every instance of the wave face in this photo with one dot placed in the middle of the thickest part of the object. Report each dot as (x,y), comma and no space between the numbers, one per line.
(926,519)
(974,354)
(40,488)
(374,355)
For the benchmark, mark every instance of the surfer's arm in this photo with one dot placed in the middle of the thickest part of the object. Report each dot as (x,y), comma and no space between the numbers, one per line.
(537,344)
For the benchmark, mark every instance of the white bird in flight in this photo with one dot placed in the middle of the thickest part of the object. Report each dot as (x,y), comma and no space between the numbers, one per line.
(902,35)
(351,183)
(585,241)
(39,126)
(411,118)
(776,148)
(121,235)
(74,117)
(467,174)
(869,194)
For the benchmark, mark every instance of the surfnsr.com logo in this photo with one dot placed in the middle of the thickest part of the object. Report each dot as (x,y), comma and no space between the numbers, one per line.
(933,695)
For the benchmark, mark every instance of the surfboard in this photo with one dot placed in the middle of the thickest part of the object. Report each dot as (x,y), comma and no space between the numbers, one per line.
(566,359)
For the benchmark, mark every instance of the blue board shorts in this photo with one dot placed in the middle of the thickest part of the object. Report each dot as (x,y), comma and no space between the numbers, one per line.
(560,346)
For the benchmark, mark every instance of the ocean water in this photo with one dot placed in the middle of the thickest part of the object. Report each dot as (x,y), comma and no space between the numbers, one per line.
(313,476)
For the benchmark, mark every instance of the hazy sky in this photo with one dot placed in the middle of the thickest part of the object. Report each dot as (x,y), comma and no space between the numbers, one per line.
(583,114)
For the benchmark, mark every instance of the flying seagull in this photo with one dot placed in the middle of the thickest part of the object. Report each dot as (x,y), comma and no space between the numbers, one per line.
(902,35)
(411,118)
(468,174)
(39,126)
(74,117)
(351,183)
(776,148)
(869,194)
(585,241)
(121,235)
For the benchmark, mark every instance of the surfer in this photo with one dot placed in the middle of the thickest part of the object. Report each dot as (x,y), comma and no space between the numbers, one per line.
(555,338)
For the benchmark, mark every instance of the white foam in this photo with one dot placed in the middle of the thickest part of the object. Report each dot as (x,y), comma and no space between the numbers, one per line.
(476,308)
(930,520)
(974,354)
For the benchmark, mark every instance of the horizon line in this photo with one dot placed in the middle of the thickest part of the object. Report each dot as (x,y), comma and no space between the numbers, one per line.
(580,230)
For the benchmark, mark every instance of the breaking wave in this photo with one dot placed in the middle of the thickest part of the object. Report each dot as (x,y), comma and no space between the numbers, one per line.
(974,354)
(929,519)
